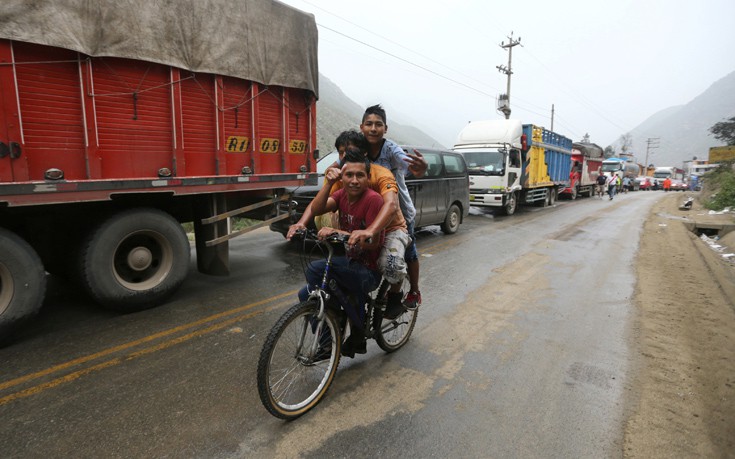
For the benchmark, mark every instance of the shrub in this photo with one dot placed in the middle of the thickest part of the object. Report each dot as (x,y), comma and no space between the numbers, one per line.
(719,187)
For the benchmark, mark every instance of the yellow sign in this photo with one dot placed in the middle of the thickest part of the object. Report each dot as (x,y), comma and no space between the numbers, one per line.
(237,144)
(269,145)
(720,154)
(297,146)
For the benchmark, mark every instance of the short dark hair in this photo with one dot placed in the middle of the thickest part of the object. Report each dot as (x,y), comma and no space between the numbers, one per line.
(354,155)
(375,110)
(351,137)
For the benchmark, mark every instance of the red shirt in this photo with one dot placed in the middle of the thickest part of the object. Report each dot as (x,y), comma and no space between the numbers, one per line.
(359,215)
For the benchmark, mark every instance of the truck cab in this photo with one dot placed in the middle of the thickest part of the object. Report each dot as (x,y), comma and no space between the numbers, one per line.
(493,153)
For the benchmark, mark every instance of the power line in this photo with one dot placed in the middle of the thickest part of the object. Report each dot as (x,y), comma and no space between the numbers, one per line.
(394,43)
(407,61)
(523,106)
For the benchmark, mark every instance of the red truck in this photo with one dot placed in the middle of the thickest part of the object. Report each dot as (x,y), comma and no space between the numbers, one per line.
(586,163)
(121,120)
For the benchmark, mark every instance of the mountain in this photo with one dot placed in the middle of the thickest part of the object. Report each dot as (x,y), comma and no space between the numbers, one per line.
(684,130)
(335,112)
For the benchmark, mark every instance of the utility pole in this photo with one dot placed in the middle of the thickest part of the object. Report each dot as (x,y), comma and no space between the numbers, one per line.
(651,143)
(504,99)
(552,117)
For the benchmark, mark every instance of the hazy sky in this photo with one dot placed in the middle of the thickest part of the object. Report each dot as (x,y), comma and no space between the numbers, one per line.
(605,65)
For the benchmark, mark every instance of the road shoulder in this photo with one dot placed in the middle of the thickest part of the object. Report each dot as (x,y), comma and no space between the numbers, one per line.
(681,401)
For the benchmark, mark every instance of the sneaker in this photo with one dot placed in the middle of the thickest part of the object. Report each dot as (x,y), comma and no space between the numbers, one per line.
(394,307)
(412,301)
(354,345)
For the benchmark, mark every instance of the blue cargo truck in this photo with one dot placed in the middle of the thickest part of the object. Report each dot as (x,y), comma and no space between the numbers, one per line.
(512,163)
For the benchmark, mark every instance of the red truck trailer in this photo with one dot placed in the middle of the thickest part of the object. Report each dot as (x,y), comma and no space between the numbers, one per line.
(121,120)
(586,163)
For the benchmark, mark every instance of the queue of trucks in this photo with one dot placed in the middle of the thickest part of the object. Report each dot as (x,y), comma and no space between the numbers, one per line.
(511,163)
(110,140)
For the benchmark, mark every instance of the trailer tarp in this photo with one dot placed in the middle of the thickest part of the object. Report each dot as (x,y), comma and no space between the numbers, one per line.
(260,40)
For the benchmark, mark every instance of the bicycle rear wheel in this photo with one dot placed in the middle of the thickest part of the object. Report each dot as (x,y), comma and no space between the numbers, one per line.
(392,335)
(298,361)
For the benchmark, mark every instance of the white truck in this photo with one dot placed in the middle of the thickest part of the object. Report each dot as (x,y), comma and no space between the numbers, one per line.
(511,163)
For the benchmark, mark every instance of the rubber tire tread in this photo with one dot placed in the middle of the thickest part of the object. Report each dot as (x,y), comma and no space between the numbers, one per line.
(378,320)
(515,207)
(29,283)
(99,281)
(446,226)
(270,344)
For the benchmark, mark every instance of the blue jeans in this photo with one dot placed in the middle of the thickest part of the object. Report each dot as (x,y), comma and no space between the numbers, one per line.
(351,276)
(611,190)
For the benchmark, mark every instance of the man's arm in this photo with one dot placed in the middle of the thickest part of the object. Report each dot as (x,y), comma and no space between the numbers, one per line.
(322,202)
(382,220)
(331,175)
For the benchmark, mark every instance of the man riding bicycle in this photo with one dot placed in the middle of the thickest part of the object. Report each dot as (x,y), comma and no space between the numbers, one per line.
(358,272)
(391,262)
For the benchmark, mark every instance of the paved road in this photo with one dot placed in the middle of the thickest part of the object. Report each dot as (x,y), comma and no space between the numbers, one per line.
(522,349)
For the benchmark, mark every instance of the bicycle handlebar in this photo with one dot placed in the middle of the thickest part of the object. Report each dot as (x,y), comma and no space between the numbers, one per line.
(335,238)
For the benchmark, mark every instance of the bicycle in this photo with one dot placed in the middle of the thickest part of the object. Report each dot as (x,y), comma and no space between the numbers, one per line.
(302,351)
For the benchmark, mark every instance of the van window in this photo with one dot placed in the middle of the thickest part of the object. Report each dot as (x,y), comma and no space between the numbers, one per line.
(435,164)
(454,165)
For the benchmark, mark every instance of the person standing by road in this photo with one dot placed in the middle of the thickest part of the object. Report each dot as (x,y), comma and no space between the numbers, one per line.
(626,184)
(667,184)
(600,184)
(612,185)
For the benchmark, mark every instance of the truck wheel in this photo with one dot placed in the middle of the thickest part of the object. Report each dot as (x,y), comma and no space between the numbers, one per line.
(22,283)
(552,196)
(452,220)
(574,193)
(511,203)
(135,260)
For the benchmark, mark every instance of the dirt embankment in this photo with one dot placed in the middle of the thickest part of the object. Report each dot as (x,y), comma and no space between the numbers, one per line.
(682,401)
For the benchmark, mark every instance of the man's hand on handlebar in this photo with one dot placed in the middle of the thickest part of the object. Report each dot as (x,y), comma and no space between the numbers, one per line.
(360,237)
(293,229)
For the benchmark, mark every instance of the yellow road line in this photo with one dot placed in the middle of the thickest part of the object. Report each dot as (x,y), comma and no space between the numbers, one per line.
(117,360)
(149,338)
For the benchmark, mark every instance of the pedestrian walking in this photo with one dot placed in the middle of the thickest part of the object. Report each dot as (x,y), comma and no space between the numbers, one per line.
(612,185)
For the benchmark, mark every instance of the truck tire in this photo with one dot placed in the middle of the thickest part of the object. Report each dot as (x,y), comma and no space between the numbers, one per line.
(552,196)
(575,192)
(510,203)
(452,220)
(22,283)
(135,260)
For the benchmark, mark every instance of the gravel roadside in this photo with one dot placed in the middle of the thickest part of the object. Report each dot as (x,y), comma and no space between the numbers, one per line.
(681,403)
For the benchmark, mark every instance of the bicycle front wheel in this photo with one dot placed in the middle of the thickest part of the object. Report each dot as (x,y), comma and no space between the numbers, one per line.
(299,360)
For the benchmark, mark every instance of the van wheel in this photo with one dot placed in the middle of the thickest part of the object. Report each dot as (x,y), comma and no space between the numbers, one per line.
(22,283)
(452,220)
(511,203)
(135,260)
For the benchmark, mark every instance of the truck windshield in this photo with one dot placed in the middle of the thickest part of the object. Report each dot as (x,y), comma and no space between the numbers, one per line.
(662,175)
(486,162)
(611,167)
